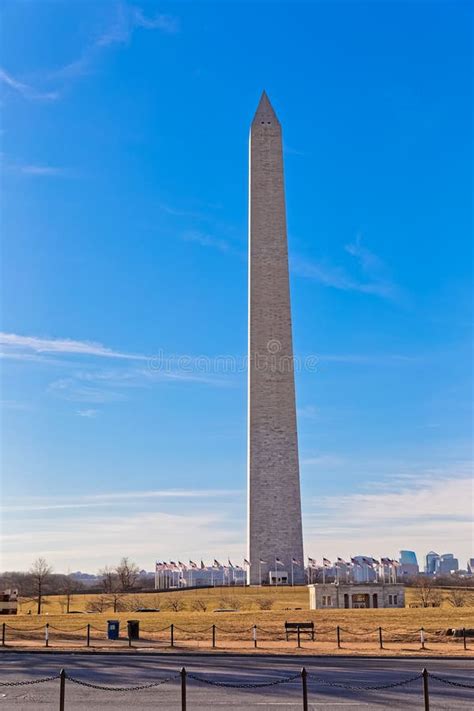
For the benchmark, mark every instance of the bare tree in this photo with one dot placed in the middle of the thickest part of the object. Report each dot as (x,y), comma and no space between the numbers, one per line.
(426,593)
(264,603)
(457,597)
(117,600)
(68,587)
(40,572)
(231,603)
(127,574)
(100,603)
(199,605)
(109,579)
(174,603)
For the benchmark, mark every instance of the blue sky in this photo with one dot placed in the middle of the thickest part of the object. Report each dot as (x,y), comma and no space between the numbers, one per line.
(124,217)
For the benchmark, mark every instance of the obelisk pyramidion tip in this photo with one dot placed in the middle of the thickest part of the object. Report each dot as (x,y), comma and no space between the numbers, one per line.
(265,113)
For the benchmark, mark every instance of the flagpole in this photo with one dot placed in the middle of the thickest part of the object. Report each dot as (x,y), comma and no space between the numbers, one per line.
(276,573)
(324,574)
(260,572)
(292,572)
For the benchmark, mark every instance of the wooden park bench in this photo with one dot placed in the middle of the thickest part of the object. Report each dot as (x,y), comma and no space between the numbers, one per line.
(297,628)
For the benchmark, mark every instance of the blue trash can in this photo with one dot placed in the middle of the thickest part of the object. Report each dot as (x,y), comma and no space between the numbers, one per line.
(113,629)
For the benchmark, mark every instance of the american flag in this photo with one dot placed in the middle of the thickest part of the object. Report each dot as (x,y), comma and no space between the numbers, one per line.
(326,562)
(216,564)
(192,564)
(312,563)
(246,562)
(295,562)
(278,561)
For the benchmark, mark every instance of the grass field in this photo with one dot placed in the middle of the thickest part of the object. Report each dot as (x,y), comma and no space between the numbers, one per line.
(193,624)
(286,604)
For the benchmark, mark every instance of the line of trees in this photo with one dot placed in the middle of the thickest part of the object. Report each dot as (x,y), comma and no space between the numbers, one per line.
(40,581)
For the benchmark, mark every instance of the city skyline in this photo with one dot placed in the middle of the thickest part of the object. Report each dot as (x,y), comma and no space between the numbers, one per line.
(124,219)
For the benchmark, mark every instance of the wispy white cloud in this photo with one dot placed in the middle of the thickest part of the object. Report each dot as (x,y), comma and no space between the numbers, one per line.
(15,343)
(25,90)
(144,536)
(418,511)
(165,23)
(289,150)
(128,19)
(111,498)
(15,405)
(206,240)
(74,391)
(96,386)
(145,525)
(108,386)
(37,170)
(322,461)
(374,277)
(89,413)
(371,358)
(309,412)
(368,260)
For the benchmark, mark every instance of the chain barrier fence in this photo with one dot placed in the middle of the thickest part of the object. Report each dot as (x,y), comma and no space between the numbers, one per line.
(302,677)
(90,635)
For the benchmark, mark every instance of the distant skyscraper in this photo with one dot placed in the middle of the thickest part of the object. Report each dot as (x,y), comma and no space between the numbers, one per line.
(431,562)
(447,564)
(274,505)
(408,564)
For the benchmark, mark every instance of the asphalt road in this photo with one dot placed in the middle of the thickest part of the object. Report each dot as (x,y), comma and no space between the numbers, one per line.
(128,670)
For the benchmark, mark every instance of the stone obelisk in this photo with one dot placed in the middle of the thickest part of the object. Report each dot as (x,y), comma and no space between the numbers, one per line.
(275,537)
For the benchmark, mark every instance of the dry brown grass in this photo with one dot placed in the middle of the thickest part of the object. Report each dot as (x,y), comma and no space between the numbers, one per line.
(285,604)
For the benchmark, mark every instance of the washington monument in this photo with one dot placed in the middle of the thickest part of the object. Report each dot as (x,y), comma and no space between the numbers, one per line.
(275,537)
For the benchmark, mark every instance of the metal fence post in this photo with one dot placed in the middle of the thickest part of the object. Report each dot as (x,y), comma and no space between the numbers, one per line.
(338,635)
(62,689)
(426,693)
(463,637)
(304,683)
(4,632)
(46,635)
(213,636)
(172,634)
(422,637)
(183,689)
(88,642)
(298,637)
(254,635)
(380,638)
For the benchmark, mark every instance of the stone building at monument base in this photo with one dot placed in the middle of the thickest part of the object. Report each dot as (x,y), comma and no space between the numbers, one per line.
(326,596)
